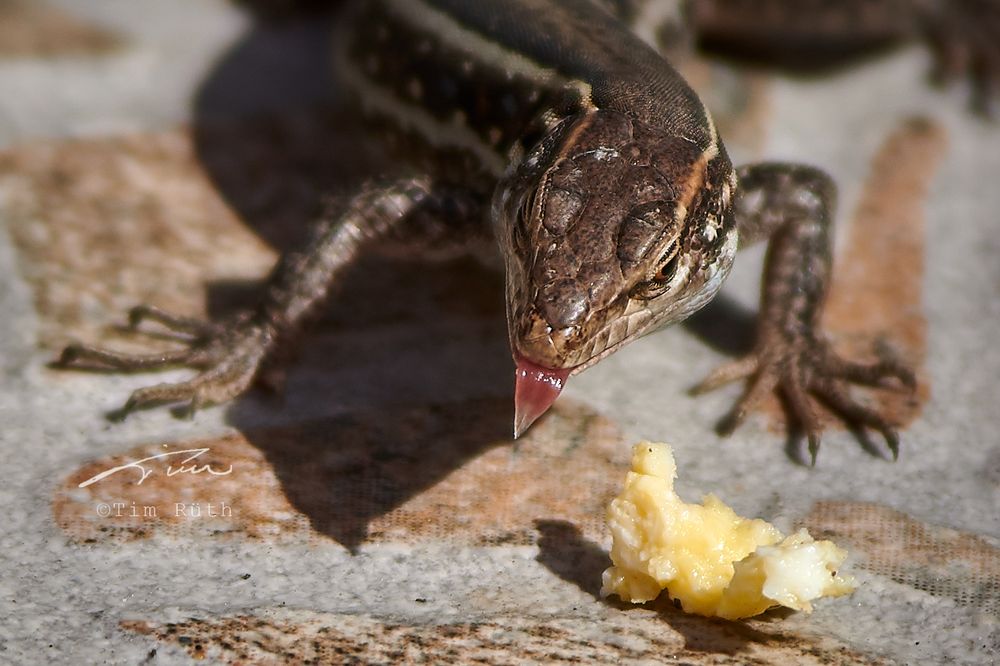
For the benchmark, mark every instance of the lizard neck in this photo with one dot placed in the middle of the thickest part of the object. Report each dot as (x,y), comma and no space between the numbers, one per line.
(490,78)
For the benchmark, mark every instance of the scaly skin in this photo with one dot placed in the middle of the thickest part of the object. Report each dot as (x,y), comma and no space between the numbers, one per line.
(614,204)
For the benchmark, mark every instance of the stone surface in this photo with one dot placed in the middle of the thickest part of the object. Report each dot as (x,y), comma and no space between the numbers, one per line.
(166,152)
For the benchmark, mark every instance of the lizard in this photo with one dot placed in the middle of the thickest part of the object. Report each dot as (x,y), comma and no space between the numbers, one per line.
(559,129)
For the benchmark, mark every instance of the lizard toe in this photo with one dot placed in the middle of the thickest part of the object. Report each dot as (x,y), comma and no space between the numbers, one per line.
(804,374)
(229,358)
(836,396)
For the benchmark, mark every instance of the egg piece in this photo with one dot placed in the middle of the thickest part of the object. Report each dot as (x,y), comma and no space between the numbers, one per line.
(712,561)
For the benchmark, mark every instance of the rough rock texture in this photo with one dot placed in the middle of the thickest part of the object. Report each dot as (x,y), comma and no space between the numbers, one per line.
(165,151)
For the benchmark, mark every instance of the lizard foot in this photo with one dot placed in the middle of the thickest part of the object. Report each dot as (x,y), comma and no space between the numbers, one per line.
(811,371)
(965,38)
(229,357)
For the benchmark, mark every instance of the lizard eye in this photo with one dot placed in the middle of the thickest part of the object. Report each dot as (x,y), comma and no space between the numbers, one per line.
(666,270)
(660,280)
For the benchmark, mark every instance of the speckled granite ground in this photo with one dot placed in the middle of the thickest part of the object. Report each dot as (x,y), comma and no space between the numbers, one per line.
(161,151)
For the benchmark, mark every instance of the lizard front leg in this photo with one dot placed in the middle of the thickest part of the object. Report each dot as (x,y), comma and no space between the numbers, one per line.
(792,205)
(232,354)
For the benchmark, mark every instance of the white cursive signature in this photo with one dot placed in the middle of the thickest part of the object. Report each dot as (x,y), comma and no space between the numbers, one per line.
(145,471)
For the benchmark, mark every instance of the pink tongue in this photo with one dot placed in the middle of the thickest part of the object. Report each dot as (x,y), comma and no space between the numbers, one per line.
(535,389)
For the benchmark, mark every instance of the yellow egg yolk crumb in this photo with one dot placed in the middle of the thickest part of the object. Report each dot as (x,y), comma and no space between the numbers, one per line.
(711,560)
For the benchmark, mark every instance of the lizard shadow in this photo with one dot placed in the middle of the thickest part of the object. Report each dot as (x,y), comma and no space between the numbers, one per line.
(271,133)
(724,325)
(384,401)
(403,380)
(378,409)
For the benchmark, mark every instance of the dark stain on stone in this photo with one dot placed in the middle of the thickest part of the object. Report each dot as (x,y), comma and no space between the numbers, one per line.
(318,638)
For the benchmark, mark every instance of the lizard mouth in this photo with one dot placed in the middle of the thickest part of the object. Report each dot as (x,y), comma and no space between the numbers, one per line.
(535,389)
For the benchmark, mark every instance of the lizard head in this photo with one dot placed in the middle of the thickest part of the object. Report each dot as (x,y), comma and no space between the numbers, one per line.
(609,229)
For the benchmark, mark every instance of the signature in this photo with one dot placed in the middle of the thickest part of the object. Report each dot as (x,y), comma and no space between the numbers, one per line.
(146,467)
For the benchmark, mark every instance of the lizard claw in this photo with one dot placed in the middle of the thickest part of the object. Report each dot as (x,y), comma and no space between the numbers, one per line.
(229,357)
(191,326)
(806,373)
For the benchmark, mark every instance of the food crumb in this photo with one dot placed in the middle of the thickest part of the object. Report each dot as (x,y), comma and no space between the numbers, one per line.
(709,560)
